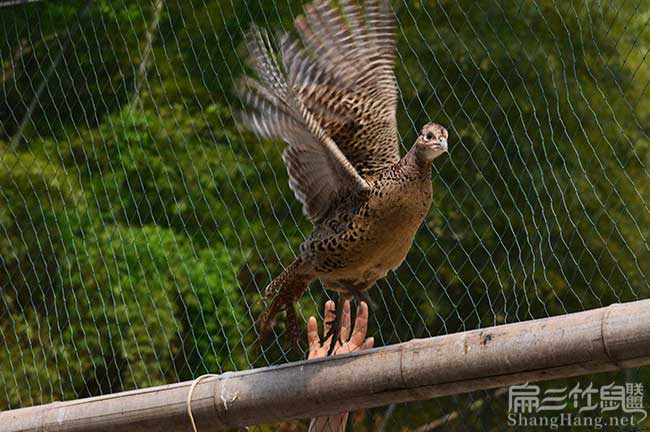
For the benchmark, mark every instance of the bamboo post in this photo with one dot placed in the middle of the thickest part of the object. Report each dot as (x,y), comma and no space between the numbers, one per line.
(598,340)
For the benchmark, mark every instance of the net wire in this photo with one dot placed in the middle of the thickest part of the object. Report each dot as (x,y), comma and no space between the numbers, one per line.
(139,224)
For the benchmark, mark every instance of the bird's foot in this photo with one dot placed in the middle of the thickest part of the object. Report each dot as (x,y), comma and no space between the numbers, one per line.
(333,334)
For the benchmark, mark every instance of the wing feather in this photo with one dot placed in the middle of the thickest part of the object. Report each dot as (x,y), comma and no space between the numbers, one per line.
(319,172)
(331,95)
(344,76)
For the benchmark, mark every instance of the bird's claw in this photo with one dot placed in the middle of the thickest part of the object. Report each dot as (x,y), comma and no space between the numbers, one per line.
(335,336)
(334,332)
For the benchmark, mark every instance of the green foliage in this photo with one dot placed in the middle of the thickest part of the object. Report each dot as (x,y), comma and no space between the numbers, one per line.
(137,232)
(104,303)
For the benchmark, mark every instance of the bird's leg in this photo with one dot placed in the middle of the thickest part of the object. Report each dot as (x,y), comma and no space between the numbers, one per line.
(369,301)
(359,290)
(360,294)
(335,325)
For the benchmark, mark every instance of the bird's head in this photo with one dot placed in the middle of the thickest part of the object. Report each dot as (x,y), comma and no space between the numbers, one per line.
(432,142)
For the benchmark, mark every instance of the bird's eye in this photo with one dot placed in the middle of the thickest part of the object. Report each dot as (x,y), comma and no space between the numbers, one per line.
(428,136)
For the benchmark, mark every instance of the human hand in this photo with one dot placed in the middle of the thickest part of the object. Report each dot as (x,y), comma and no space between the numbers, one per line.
(355,342)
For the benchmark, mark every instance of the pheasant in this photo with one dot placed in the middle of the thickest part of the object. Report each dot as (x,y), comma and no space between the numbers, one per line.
(331,95)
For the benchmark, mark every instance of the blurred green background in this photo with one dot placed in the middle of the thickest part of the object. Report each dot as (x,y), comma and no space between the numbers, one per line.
(138,223)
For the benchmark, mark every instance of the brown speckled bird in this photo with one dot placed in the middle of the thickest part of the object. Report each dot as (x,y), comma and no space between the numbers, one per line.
(331,96)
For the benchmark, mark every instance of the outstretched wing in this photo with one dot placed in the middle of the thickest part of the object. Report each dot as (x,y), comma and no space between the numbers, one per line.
(319,172)
(342,69)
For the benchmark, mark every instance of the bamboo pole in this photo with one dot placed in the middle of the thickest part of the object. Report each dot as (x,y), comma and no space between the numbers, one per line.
(598,340)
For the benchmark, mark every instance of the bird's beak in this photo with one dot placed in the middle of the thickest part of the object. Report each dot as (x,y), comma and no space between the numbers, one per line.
(443,143)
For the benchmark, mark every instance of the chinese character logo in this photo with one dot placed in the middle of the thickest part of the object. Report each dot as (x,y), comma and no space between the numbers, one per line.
(523,398)
(628,399)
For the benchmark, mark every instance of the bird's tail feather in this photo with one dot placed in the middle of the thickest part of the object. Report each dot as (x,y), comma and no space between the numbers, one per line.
(282,293)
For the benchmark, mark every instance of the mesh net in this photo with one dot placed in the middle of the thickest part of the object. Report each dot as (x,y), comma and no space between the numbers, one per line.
(139,225)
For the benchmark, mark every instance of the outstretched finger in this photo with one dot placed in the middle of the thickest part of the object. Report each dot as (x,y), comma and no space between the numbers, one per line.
(360,325)
(329,315)
(312,336)
(345,321)
(369,343)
